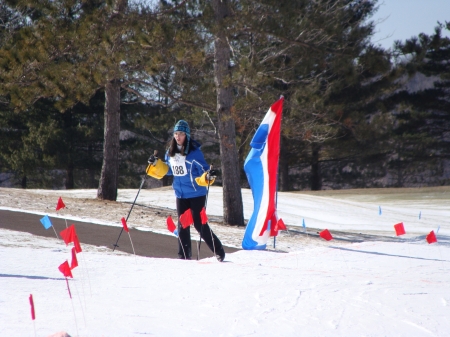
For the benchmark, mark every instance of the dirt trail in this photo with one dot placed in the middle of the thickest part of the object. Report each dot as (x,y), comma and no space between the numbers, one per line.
(153,219)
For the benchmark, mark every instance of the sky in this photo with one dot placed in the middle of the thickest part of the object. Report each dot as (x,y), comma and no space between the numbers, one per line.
(402,19)
(376,288)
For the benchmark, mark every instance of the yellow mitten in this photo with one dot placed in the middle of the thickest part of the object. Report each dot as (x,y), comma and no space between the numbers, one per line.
(158,170)
(202,181)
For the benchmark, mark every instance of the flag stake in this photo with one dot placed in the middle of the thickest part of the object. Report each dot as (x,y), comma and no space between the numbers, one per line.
(132,247)
(81,304)
(33,315)
(82,278)
(87,273)
(73,307)
(55,232)
(171,227)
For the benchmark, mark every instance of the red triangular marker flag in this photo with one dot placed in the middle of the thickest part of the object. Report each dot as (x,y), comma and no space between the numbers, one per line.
(399,229)
(431,237)
(76,244)
(325,234)
(60,204)
(280,226)
(124,224)
(65,269)
(203,216)
(170,224)
(33,316)
(74,262)
(68,234)
(186,219)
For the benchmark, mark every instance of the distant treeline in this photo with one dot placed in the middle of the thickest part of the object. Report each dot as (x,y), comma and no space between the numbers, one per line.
(355,115)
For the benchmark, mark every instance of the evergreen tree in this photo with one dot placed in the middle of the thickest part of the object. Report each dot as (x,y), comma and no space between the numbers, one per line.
(73,49)
(318,55)
(421,108)
(10,22)
(42,143)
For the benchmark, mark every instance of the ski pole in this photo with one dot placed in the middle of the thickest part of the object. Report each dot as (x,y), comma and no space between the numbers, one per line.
(142,183)
(207,190)
(206,202)
(201,229)
(134,202)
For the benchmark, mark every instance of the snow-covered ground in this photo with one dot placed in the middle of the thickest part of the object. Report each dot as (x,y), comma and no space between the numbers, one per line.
(320,288)
(420,211)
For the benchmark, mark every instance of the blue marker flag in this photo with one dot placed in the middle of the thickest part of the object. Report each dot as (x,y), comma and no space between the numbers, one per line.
(439,227)
(379,210)
(303,224)
(45,221)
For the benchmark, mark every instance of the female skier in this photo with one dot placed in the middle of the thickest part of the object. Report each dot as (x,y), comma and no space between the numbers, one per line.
(191,176)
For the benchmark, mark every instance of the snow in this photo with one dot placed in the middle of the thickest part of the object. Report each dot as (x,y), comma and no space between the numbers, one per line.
(387,287)
(339,212)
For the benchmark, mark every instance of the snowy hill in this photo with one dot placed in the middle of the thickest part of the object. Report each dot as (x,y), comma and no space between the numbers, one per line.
(393,286)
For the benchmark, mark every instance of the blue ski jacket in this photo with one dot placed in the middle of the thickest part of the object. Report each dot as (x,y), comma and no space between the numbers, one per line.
(185,169)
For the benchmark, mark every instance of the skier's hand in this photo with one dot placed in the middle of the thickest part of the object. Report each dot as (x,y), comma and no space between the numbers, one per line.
(158,169)
(205,180)
(211,175)
(152,159)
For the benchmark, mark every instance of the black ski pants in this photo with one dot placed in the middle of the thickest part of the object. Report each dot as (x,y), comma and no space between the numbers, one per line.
(196,205)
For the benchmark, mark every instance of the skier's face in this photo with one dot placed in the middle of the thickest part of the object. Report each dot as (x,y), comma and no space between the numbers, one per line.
(179,136)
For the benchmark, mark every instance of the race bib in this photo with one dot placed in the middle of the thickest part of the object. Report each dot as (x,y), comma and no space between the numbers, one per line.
(178,165)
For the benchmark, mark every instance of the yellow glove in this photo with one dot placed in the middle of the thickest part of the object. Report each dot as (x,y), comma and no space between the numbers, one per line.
(158,170)
(202,181)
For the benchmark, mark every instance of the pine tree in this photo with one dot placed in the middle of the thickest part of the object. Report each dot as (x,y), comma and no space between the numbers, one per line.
(72,50)
(419,144)
(317,54)
(43,143)
(187,80)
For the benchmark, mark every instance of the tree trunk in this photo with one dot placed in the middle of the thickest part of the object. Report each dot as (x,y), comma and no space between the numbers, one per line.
(233,213)
(109,176)
(316,179)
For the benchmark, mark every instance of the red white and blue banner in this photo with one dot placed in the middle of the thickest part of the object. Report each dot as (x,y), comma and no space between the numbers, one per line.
(261,167)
